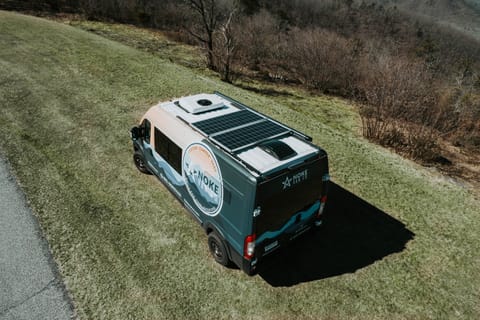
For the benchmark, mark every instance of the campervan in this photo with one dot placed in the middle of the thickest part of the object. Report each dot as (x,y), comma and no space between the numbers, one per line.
(253,184)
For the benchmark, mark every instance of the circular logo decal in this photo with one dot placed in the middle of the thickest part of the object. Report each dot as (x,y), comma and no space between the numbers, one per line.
(203,178)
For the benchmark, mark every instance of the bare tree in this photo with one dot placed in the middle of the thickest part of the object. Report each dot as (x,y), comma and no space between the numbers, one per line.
(227,47)
(210,14)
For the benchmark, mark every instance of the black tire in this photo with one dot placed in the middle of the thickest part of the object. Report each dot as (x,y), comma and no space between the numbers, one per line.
(140,163)
(218,249)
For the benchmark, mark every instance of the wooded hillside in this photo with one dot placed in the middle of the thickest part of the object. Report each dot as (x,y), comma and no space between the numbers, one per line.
(416,81)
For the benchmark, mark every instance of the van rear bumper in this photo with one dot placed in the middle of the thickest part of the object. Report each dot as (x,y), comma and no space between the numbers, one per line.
(242,263)
(260,261)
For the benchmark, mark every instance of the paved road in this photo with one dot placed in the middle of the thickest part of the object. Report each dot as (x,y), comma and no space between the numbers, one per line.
(30,286)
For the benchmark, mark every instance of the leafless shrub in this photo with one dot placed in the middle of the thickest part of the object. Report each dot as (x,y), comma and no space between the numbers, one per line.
(400,108)
(466,105)
(422,144)
(257,40)
(322,60)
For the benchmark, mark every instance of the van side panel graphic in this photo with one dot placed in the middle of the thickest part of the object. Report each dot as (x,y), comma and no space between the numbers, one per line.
(203,178)
(170,173)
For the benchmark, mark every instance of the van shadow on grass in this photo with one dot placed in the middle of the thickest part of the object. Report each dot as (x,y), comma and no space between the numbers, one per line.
(355,235)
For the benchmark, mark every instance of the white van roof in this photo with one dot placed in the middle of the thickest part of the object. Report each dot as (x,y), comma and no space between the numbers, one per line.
(251,137)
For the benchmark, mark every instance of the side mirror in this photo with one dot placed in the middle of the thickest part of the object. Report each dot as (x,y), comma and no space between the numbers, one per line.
(135,133)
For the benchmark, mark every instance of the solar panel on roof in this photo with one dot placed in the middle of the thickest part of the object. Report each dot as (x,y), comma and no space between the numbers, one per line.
(227,121)
(250,134)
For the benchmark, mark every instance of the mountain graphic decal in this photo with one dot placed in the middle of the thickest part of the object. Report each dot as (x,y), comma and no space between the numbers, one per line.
(203,178)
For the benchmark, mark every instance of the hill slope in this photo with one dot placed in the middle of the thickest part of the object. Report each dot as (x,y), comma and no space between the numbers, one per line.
(127,249)
(462,15)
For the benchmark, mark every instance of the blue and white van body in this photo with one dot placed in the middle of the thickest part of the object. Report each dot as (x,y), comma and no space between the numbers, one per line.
(253,183)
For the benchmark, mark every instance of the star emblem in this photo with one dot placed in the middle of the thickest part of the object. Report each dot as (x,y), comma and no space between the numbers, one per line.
(287,183)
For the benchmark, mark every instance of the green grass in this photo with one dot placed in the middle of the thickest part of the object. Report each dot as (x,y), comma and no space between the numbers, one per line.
(128,250)
(149,40)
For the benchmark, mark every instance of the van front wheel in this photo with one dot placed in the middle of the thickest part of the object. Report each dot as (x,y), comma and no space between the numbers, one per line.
(217,249)
(140,163)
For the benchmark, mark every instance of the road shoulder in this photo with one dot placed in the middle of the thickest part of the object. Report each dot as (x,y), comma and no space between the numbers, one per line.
(30,284)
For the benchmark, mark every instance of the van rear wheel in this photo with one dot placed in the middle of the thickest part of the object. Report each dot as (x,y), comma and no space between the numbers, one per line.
(218,249)
(140,163)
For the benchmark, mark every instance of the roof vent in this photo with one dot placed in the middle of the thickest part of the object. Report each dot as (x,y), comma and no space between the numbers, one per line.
(204,102)
(201,103)
(278,149)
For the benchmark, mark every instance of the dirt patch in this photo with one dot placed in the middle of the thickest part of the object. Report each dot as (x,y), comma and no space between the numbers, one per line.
(461,164)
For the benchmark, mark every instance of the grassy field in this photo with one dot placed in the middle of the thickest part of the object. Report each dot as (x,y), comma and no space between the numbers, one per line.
(128,250)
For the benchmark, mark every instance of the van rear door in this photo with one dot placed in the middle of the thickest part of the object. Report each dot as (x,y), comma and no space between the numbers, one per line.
(289,202)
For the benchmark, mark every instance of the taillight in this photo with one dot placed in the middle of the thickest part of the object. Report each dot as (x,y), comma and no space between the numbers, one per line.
(249,247)
(323,200)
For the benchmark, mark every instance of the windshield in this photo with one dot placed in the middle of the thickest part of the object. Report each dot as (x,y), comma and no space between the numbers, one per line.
(288,193)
